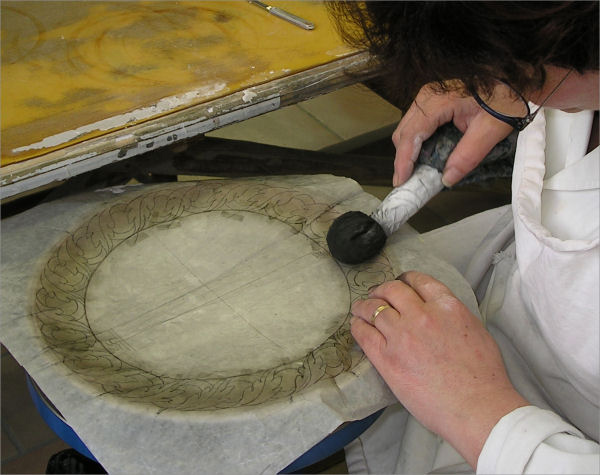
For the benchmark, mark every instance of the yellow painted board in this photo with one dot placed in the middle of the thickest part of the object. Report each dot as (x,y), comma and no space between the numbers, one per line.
(76,70)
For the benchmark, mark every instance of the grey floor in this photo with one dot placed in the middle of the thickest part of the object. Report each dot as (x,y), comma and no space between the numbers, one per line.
(353,115)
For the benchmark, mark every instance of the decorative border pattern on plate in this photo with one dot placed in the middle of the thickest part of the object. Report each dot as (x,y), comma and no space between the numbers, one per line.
(60,310)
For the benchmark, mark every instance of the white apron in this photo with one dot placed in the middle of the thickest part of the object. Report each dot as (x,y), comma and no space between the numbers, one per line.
(539,298)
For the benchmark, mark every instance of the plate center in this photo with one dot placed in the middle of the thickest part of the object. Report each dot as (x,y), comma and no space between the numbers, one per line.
(216,294)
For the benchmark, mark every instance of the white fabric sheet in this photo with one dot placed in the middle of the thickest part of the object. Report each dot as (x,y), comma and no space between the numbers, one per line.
(181,280)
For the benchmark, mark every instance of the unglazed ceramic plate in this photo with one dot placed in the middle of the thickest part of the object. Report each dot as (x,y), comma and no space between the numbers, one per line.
(203,296)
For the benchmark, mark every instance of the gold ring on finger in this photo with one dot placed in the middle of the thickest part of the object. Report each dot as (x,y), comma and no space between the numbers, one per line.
(377,311)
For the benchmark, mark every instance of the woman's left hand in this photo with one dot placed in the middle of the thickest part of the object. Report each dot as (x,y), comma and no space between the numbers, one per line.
(437,358)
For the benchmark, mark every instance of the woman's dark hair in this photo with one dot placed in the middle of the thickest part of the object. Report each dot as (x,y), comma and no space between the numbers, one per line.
(415,43)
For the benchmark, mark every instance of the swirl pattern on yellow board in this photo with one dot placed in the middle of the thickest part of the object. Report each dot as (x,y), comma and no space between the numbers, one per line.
(76,70)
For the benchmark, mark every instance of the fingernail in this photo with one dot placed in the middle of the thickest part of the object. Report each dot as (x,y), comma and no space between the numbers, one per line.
(372,288)
(451,177)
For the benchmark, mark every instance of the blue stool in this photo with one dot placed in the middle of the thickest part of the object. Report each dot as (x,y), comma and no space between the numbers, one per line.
(328,446)
(55,420)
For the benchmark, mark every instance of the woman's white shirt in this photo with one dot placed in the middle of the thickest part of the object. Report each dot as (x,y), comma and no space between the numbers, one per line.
(546,319)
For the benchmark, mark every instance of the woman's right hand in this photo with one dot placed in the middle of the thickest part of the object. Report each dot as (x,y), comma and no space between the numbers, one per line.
(429,111)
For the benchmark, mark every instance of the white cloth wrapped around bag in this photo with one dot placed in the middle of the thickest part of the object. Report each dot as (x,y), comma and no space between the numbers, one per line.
(539,298)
